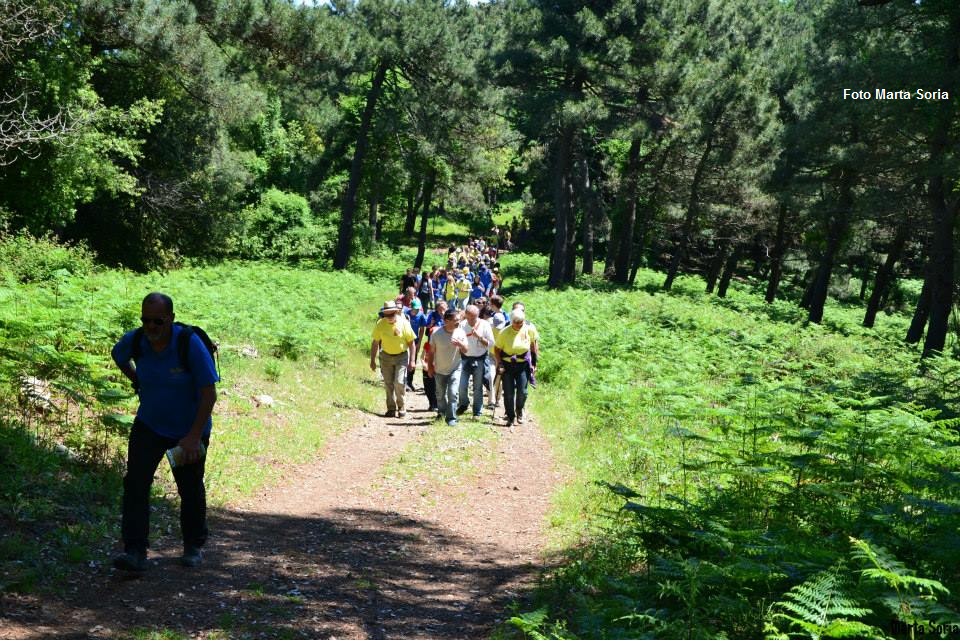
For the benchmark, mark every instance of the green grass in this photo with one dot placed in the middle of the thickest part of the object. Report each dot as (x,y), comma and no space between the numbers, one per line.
(725,450)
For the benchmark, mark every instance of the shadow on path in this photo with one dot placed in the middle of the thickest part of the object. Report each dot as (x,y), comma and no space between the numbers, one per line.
(353,573)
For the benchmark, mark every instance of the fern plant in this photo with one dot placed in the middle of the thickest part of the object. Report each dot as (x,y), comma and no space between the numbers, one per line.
(820,608)
(910,599)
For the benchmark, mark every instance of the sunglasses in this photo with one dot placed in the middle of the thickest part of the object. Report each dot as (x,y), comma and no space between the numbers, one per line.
(155,321)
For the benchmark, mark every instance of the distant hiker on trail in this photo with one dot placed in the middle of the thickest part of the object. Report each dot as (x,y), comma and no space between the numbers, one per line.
(175,378)
(498,321)
(408,280)
(394,340)
(434,321)
(517,351)
(425,290)
(447,344)
(418,322)
(479,338)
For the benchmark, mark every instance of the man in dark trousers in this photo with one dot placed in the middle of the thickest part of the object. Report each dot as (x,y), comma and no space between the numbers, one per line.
(176,383)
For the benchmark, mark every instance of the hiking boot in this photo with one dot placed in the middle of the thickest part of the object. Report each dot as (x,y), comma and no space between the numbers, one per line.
(192,557)
(509,422)
(389,414)
(519,420)
(401,413)
(452,422)
(135,561)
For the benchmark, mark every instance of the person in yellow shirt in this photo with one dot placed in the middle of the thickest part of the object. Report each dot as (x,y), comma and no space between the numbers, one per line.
(517,350)
(394,340)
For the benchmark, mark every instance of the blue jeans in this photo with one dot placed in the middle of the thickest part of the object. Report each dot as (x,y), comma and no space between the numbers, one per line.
(448,385)
(515,379)
(472,366)
(145,450)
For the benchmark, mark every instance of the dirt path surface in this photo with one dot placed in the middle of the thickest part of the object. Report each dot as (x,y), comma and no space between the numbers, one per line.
(335,551)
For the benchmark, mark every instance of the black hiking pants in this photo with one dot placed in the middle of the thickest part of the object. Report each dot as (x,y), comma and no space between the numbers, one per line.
(145,450)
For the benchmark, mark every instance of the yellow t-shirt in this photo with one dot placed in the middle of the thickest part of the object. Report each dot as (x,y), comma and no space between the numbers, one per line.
(394,339)
(512,341)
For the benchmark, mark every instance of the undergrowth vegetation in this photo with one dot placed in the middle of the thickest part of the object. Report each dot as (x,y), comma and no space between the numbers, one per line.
(742,473)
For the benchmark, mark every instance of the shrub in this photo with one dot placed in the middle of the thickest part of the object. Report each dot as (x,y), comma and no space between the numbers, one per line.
(280,226)
(28,259)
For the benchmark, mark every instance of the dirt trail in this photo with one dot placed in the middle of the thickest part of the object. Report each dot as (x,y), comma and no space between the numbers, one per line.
(336,551)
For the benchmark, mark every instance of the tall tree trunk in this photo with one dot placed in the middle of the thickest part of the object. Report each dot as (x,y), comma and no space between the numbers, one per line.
(374,210)
(349,206)
(729,269)
(693,208)
(881,283)
(836,231)
(590,215)
(779,251)
(624,253)
(717,263)
(428,186)
(922,312)
(570,268)
(415,197)
(943,200)
(561,206)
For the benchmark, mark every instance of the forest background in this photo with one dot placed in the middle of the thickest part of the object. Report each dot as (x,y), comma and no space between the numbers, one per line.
(692,168)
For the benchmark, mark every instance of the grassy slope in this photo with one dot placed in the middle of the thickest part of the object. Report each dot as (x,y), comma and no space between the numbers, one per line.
(727,418)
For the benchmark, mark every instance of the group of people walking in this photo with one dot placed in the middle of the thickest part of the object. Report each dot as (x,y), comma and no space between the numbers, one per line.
(453,316)
(470,344)
(471,273)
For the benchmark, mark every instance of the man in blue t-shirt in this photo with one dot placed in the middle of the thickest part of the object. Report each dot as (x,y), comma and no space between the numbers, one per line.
(176,403)
(418,322)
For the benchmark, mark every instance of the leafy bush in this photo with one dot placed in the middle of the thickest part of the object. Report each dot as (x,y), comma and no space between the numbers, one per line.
(280,227)
(28,259)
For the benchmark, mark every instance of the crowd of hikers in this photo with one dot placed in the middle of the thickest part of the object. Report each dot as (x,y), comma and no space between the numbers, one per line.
(454,317)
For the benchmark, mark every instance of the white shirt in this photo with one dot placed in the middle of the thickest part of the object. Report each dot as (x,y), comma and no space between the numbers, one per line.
(482,330)
(446,355)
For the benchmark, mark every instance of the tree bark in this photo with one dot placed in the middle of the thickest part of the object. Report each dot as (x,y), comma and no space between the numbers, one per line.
(561,206)
(920,315)
(779,251)
(414,202)
(624,257)
(729,269)
(716,265)
(374,211)
(589,218)
(693,209)
(884,277)
(428,186)
(349,206)
(943,203)
(836,231)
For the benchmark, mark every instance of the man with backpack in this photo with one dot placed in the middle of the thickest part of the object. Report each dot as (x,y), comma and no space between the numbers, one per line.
(175,377)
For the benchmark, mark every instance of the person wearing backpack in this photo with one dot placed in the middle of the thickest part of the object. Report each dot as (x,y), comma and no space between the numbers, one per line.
(174,375)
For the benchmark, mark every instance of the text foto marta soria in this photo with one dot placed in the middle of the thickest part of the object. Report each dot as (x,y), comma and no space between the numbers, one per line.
(901,94)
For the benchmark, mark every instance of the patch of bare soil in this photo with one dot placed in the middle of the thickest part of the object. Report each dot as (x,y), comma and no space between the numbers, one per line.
(334,551)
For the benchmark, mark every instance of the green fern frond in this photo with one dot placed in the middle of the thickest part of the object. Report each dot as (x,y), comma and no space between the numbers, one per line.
(887,569)
(820,607)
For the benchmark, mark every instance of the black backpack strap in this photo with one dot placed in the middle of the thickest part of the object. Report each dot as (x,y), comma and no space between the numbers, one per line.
(183,346)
